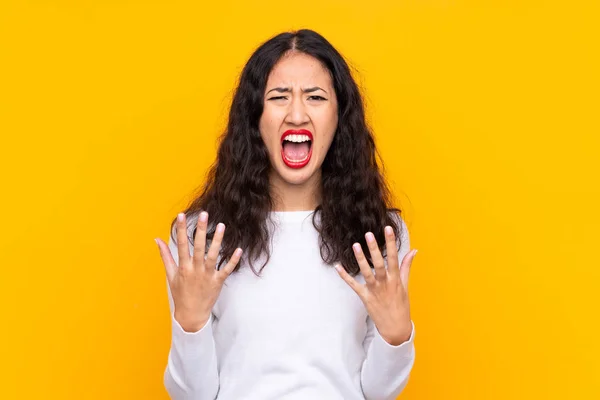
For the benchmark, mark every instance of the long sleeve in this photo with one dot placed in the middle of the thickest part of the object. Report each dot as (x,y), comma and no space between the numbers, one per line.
(386,368)
(191,372)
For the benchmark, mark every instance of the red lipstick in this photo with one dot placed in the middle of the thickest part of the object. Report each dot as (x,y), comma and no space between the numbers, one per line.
(296,164)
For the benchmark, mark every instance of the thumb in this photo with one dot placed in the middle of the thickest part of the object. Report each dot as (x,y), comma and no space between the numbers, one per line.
(167,258)
(406,266)
(233,261)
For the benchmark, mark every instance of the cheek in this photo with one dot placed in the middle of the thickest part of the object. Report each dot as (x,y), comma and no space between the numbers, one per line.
(329,124)
(269,127)
(269,122)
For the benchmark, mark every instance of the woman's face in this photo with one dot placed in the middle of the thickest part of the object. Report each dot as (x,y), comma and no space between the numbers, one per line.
(299,100)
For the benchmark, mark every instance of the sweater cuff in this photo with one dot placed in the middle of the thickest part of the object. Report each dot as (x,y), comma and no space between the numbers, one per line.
(383,350)
(191,337)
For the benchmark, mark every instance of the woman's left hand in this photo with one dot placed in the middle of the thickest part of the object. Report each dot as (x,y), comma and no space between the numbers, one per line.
(385,294)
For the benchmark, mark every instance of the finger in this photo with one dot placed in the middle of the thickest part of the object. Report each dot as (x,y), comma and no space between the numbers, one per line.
(215,246)
(405,268)
(167,259)
(357,287)
(200,240)
(233,261)
(376,257)
(392,253)
(363,264)
(182,241)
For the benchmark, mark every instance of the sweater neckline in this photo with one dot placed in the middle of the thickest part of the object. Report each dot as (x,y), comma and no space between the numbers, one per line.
(291,215)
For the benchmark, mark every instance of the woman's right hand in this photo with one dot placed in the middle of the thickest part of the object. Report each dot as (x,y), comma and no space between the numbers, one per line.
(195,284)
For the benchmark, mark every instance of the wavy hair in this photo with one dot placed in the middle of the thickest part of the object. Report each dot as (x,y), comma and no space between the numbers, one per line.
(355,198)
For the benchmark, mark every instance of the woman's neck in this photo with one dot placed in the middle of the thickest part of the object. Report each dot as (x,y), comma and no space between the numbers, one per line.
(290,197)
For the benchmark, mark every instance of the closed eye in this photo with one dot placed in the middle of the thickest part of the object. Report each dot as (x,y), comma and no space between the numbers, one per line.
(319,98)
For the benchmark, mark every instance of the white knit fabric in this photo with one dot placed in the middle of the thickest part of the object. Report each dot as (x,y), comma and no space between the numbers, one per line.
(298,332)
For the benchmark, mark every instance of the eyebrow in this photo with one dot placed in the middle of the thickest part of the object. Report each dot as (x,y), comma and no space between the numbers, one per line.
(287,89)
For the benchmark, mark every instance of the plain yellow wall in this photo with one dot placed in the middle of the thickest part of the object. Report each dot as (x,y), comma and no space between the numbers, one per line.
(485,112)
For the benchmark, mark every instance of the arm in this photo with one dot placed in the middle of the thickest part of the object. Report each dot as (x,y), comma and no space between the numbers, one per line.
(386,368)
(191,371)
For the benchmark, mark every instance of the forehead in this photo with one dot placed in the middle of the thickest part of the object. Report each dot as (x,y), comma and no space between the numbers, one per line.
(299,69)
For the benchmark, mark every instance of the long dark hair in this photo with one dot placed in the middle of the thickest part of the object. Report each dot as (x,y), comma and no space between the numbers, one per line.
(355,198)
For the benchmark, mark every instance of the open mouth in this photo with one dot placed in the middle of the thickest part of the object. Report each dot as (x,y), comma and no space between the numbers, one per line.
(296,147)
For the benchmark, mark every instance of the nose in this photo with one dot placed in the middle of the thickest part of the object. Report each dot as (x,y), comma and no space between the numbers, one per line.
(297,114)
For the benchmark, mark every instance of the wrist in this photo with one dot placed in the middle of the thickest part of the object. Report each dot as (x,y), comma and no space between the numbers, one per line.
(398,338)
(191,324)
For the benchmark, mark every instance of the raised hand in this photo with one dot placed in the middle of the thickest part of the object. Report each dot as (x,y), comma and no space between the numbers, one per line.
(194,282)
(385,293)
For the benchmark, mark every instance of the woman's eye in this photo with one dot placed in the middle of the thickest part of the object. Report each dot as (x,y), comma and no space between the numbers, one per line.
(319,98)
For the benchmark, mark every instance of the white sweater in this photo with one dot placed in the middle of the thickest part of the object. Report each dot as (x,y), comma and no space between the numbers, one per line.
(299,332)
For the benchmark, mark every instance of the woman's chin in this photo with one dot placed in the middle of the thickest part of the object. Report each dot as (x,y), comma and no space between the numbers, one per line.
(293,176)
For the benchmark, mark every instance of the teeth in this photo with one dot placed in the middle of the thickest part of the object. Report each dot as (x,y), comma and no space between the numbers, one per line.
(297,138)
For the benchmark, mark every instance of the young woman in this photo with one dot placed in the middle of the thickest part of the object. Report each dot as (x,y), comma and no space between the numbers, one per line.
(298,187)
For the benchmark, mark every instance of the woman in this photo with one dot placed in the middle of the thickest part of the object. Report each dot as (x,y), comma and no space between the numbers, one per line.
(297,185)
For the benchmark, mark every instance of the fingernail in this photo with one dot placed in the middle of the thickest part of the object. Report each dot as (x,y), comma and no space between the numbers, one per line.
(156,241)
(203,216)
(388,230)
(370,237)
(220,227)
(415,253)
(180,217)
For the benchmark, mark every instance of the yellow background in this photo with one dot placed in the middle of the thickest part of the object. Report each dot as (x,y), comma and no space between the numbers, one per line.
(485,112)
